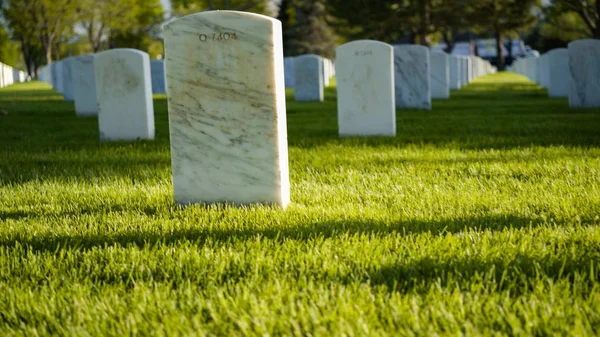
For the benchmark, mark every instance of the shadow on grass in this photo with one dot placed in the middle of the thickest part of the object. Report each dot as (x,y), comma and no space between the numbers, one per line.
(520,274)
(279,233)
(516,271)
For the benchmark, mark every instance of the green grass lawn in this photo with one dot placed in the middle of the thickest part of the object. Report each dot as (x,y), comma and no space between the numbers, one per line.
(482,217)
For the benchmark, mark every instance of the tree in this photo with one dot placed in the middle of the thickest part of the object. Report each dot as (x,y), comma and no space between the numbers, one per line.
(393,20)
(504,17)
(184,7)
(449,24)
(580,18)
(100,17)
(308,31)
(8,51)
(49,19)
(147,15)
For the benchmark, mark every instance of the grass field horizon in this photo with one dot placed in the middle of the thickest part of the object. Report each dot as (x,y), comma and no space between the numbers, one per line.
(481,217)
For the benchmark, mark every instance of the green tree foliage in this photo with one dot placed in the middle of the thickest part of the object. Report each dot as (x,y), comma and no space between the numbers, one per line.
(504,17)
(392,20)
(45,20)
(141,32)
(101,17)
(184,7)
(572,19)
(307,30)
(9,52)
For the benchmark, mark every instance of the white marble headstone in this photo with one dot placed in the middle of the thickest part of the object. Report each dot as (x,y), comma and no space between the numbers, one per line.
(67,66)
(157,70)
(124,93)
(325,71)
(467,70)
(84,85)
(455,69)
(288,65)
(584,65)
(558,73)
(440,75)
(308,76)
(227,112)
(17,75)
(59,78)
(412,82)
(365,87)
(531,68)
(544,72)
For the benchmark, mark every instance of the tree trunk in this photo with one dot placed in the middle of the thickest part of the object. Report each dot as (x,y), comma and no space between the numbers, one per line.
(499,50)
(450,42)
(413,37)
(48,51)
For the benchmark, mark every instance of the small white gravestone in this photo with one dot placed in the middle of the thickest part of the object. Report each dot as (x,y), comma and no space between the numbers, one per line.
(466,70)
(584,65)
(455,70)
(288,69)
(308,74)
(227,116)
(365,87)
(17,78)
(544,71)
(124,93)
(532,68)
(157,70)
(8,74)
(325,71)
(411,81)
(84,85)
(67,66)
(59,78)
(558,73)
(440,75)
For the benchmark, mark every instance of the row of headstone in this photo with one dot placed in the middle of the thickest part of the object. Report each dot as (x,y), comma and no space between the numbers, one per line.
(10,75)
(227,118)
(420,75)
(572,72)
(327,70)
(114,85)
(374,79)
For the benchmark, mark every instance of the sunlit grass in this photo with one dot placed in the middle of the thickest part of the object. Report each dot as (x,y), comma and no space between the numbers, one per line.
(481,217)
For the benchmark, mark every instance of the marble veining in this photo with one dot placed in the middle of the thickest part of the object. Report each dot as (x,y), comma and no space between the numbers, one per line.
(558,72)
(440,75)
(84,86)
(412,82)
(124,93)
(308,75)
(584,68)
(365,87)
(226,97)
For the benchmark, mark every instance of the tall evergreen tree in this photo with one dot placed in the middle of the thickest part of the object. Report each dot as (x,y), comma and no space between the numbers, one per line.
(309,32)
(504,17)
